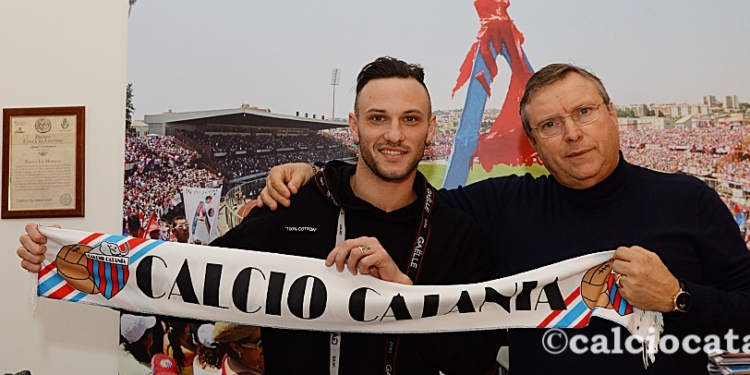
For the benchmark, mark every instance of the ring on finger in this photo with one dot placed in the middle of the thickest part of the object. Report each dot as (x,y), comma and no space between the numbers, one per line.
(362,250)
(617,281)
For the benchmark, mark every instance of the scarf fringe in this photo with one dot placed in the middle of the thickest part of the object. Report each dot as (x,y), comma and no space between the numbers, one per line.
(648,325)
(34,282)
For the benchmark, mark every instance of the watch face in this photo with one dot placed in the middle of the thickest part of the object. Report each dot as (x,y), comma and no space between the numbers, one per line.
(682,300)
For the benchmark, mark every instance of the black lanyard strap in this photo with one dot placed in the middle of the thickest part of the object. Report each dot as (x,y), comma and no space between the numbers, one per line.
(413,267)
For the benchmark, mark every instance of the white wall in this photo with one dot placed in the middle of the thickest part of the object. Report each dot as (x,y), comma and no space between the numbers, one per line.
(65,53)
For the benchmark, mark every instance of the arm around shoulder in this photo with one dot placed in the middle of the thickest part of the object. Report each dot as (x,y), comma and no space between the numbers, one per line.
(283,181)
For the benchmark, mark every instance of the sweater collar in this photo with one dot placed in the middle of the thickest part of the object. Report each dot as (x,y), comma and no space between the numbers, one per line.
(603,193)
(337,175)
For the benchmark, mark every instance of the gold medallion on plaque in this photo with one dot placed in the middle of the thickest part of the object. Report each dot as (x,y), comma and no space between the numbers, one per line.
(43,125)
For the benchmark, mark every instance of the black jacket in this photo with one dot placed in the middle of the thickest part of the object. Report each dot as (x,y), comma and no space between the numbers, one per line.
(455,254)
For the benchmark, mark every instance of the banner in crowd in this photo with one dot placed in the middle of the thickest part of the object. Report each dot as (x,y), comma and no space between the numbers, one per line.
(201,211)
(266,289)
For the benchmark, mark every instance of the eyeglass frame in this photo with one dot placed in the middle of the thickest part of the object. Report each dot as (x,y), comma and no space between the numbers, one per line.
(571,116)
(258,344)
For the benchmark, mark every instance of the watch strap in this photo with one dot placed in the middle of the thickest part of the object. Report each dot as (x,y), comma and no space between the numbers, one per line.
(681,300)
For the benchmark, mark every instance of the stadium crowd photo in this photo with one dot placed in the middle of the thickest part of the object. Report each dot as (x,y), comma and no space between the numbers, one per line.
(157,167)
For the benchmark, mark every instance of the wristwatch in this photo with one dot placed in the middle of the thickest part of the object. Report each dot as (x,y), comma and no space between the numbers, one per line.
(681,301)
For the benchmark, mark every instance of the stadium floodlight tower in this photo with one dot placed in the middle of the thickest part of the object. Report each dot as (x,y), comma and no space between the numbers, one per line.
(335,77)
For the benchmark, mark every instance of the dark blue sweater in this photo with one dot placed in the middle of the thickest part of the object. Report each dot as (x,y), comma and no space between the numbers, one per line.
(531,222)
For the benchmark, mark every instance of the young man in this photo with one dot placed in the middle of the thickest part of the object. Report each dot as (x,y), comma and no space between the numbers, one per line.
(678,248)
(389,228)
(181,229)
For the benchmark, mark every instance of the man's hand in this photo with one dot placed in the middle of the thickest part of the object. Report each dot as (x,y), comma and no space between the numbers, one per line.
(366,255)
(645,282)
(32,248)
(283,181)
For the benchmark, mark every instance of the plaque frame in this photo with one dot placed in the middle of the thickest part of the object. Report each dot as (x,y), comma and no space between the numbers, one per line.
(77,209)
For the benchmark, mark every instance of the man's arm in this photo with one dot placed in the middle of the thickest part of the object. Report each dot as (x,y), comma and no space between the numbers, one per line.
(285,180)
(722,301)
(282,182)
(481,200)
(257,231)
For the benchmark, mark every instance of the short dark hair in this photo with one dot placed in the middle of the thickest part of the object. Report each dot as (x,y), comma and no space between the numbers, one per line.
(178,217)
(134,223)
(388,67)
(549,75)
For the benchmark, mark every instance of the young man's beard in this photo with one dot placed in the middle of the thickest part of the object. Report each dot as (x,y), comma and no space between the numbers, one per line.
(367,156)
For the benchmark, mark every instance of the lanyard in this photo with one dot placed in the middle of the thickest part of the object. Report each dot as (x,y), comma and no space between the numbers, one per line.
(412,269)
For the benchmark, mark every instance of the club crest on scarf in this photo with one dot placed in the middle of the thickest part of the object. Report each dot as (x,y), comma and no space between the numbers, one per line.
(599,289)
(93,270)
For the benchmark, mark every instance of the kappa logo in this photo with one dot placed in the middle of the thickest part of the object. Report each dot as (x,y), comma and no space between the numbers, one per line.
(93,270)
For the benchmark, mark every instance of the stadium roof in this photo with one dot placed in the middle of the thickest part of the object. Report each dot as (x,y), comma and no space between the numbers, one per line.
(684,119)
(243,116)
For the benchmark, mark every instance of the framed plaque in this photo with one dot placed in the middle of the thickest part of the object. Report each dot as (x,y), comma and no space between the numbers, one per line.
(43,162)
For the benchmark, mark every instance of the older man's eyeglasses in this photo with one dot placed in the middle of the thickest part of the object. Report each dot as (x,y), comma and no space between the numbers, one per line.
(257,344)
(582,116)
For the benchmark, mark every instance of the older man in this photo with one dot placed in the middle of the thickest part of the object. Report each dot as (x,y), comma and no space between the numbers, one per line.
(380,219)
(678,249)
